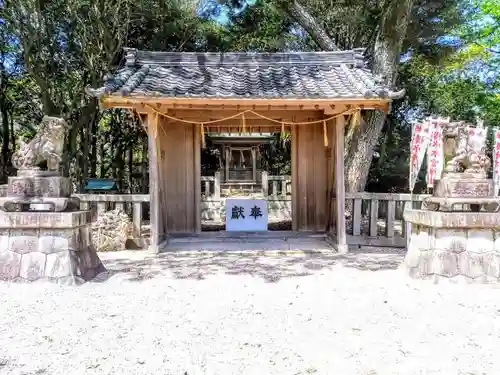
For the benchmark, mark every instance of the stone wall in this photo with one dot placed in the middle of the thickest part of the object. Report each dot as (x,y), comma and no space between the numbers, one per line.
(454,253)
(47,245)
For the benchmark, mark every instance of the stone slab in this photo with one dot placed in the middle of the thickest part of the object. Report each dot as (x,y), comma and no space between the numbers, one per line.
(51,204)
(247,243)
(37,220)
(441,219)
(457,187)
(39,186)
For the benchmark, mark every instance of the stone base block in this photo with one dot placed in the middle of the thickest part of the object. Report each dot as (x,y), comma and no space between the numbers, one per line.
(458,185)
(42,204)
(61,251)
(39,186)
(456,254)
(44,220)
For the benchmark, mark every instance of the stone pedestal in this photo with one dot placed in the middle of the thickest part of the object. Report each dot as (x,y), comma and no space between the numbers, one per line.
(456,246)
(39,186)
(461,185)
(47,245)
(27,191)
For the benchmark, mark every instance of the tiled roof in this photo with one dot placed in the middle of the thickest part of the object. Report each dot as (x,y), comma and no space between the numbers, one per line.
(303,75)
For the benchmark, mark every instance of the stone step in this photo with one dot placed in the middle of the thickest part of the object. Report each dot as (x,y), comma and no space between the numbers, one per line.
(224,236)
(254,242)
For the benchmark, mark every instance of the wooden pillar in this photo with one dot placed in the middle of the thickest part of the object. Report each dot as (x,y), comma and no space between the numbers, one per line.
(154,191)
(254,164)
(265,184)
(340,185)
(226,172)
(295,178)
(217,186)
(197,177)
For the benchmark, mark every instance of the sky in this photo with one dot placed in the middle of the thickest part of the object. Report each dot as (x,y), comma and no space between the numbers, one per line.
(220,12)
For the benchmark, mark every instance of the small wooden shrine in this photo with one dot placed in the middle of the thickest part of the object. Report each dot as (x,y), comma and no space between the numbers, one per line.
(240,156)
(181,97)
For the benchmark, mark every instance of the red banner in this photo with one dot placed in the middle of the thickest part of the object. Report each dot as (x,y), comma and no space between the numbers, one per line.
(435,154)
(496,160)
(419,142)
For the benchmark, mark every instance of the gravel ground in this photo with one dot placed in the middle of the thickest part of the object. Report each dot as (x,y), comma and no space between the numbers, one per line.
(248,314)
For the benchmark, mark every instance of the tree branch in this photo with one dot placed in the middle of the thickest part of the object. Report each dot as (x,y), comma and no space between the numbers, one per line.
(300,15)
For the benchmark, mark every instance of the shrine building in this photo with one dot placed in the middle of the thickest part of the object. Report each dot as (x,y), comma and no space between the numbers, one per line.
(183,98)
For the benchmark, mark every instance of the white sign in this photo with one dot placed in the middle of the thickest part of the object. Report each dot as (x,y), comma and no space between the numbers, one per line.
(246,215)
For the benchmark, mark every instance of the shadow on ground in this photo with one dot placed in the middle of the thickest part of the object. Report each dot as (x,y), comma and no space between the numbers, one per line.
(271,267)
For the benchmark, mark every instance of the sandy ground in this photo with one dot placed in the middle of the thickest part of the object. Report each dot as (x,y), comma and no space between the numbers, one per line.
(249,314)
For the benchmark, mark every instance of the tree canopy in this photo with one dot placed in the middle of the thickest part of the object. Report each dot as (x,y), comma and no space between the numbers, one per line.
(445,53)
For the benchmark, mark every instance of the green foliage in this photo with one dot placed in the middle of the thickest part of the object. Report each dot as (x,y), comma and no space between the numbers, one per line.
(261,28)
(51,50)
(482,33)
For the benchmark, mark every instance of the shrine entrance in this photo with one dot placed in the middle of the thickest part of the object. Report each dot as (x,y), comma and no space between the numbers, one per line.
(182,98)
(246,182)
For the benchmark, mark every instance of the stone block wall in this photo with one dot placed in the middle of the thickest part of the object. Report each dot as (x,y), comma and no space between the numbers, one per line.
(64,254)
(473,254)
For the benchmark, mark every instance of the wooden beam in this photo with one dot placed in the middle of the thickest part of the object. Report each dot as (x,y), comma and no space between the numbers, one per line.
(260,128)
(235,107)
(237,123)
(154,201)
(292,115)
(140,102)
(340,185)
(334,109)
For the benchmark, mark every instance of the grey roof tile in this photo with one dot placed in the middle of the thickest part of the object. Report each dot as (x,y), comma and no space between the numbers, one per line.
(321,75)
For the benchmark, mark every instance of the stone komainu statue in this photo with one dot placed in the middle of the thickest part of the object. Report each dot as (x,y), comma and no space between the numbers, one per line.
(48,145)
(469,151)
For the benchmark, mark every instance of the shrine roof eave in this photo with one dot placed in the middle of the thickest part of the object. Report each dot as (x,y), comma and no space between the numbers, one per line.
(235,79)
(297,76)
(141,103)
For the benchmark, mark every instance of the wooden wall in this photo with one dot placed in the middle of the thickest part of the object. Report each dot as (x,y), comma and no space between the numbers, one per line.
(312,177)
(313,180)
(179,170)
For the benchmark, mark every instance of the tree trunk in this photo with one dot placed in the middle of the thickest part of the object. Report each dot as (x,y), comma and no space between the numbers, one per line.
(5,139)
(387,49)
(386,54)
(86,139)
(93,154)
(102,145)
(359,154)
(300,15)
(145,165)
(12,134)
(130,163)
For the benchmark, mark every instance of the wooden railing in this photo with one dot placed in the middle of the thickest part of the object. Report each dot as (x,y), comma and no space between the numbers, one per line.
(373,219)
(273,187)
(210,187)
(279,187)
(376,219)
(135,205)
